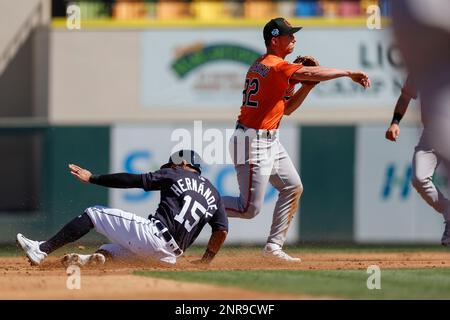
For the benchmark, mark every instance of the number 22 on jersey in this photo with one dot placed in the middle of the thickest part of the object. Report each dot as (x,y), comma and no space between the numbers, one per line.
(250,90)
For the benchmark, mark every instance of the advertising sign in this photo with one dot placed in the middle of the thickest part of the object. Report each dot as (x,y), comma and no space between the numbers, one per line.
(388,208)
(201,68)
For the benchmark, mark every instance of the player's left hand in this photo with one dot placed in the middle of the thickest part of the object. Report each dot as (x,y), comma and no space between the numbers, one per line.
(200,263)
(393,132)
(81,174)
(307,61)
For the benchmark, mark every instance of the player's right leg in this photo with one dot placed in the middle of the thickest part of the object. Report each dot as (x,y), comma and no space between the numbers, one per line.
(445,240)
(136,234)
(253,173)
(424,165)
(37,251)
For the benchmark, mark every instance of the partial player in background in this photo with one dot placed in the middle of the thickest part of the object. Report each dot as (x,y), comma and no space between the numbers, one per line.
(422,32)
(257,153)
(188,202)
(425,159)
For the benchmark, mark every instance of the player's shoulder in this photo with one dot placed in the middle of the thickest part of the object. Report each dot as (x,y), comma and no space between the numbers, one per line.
(168,173)
(179,173)
(273,61)
(209,184)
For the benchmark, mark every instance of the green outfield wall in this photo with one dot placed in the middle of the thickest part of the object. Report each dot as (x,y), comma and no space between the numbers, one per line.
(60,197)
(327,156)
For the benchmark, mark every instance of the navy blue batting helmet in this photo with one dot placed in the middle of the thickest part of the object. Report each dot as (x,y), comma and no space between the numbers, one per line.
(191,157)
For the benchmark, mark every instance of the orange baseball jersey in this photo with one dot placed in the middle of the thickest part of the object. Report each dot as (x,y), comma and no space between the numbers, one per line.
(266,83)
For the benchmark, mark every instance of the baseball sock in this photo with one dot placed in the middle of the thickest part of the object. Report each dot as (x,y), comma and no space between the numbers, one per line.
(71,232)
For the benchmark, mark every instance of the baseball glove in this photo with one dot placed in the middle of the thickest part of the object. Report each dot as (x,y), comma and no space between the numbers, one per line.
(307,61)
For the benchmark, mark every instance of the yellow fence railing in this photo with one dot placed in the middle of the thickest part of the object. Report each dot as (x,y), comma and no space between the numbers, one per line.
(109,23)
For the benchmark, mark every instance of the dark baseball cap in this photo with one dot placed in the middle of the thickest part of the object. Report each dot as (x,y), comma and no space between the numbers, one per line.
(278,27)
(191,157)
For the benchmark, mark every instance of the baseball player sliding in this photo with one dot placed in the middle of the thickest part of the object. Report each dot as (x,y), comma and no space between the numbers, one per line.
(425,159)
(258,155)
(188,202)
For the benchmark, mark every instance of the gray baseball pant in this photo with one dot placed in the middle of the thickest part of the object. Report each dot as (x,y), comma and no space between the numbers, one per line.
(424,164)
(260,158)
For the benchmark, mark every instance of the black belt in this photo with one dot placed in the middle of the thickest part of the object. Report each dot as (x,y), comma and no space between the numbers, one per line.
(263,132)
(240,126)
(164,232)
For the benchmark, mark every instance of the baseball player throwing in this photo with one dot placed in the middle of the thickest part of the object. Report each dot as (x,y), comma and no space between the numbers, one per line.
(188,202)
(425,159)
(258,155)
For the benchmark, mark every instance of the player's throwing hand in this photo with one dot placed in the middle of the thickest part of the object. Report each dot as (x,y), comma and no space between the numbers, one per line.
(361,78)
(81,174)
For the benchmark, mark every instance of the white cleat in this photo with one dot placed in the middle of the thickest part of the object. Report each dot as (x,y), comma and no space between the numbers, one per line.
(276,254)
(32,250)
(96,259)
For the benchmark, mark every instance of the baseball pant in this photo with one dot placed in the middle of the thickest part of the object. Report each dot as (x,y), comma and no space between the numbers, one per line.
(119,253)
(132,233)
(424,164)
(260,158)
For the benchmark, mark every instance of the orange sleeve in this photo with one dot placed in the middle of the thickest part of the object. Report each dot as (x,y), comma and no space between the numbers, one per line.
(288,69)
(409,89)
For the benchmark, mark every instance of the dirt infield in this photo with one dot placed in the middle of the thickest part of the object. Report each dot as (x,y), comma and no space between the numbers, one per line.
(18,280)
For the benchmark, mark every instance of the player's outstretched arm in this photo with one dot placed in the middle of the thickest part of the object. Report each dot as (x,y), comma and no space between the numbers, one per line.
(214,244)
(393,132)
(323,74)
(115,180)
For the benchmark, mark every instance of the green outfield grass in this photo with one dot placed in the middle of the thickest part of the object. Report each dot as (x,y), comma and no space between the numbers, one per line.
(341,284)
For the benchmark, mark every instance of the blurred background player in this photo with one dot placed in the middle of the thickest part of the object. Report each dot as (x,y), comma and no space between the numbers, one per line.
(257,153)
(188,202)
(425,159)
(422,31)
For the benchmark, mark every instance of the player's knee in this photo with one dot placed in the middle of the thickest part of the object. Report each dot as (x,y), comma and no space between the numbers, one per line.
(295,189)
(298,189)
(419,182)
(91,209)
(88,209)
(252,211)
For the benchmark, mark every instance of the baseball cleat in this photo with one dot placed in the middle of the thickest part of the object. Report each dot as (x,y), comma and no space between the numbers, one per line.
(81,260)
(445,240)
(275,253)
(32,250)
